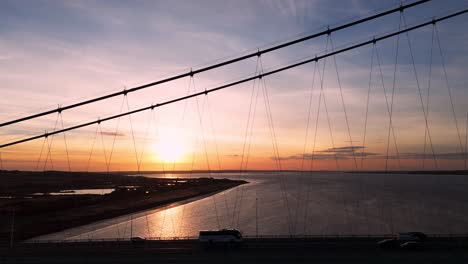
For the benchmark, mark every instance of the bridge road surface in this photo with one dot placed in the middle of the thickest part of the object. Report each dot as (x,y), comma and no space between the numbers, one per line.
(279,250)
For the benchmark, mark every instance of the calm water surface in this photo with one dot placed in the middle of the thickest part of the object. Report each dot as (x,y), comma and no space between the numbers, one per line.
(303,203)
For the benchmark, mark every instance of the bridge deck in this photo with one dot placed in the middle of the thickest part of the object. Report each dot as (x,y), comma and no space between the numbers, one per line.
(273,250)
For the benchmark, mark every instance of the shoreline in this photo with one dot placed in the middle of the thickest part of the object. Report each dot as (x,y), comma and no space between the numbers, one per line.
(104,224)
(433,172)
(47,214)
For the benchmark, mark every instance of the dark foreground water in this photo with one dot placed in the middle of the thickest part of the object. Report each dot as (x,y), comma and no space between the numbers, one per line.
(303,204)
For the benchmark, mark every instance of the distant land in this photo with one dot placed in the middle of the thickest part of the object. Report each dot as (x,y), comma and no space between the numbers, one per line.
(434,172)
(30,198)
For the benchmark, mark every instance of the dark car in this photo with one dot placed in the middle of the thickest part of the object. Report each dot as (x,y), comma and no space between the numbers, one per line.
(420,235)
(390,243)
(411,245)
(138,240)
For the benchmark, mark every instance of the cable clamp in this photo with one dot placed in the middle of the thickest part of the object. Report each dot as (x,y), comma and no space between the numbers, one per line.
(59,109)
(328,30)
(373,40)
(258,53)
(99,121)
(191,72)
(433,21)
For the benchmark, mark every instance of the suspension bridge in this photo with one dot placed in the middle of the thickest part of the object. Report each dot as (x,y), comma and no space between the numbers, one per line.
(292,235)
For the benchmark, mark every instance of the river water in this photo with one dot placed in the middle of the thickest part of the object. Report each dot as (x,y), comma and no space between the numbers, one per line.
(319,203)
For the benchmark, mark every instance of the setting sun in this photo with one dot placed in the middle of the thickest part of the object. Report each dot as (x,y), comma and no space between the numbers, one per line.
(171,147)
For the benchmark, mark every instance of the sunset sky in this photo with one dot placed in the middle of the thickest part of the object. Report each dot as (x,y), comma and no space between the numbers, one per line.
(60,52)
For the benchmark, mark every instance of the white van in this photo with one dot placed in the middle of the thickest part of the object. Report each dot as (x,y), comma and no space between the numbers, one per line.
(220,236)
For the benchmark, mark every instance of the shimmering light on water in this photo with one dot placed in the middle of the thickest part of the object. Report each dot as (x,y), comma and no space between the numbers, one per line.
(80,192)
(318,203)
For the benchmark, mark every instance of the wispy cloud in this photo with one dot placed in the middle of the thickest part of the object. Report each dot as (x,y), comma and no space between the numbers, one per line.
(114,134)
(341,153)
(344,154)
(345,149)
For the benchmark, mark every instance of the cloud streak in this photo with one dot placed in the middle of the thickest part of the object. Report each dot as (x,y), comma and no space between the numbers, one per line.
(341,153)
(114,134)
(349,152)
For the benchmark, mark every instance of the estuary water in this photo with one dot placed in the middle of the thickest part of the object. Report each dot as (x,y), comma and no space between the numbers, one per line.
(295,203)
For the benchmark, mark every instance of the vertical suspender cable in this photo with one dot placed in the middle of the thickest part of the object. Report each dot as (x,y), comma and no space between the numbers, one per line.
(343,104)
(213,131)
(49,146)
(108,159)
(249,140)
(92,147)
(275,146)
(115,133)
(200,119)
(181,222)
(387,104)
(313,147)
(138,162)
(390,120)
(466,140)
(244,144)
(365,132)
(420,94)
(330,130)
(65,140)
(40,153)
(367,107)
(304,150)
(428,93)
(133,138)
(104,149)
(448,87)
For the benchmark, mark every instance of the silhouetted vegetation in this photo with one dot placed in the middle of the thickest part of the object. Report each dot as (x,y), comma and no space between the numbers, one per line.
(27,196)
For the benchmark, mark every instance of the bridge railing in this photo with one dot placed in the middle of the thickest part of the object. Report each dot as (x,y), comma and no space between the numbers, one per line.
(114,241)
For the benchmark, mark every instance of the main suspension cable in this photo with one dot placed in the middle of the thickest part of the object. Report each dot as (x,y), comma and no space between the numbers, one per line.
(205,92)
(224,63)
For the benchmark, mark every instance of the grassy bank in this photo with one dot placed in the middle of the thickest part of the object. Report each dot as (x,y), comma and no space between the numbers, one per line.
(37,215)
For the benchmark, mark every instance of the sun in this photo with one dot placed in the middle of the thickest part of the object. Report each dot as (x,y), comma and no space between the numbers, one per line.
(172,147)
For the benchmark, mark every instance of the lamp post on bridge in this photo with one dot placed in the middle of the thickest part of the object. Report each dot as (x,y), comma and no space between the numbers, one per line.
(12,230)
(256,217)
(466,139)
